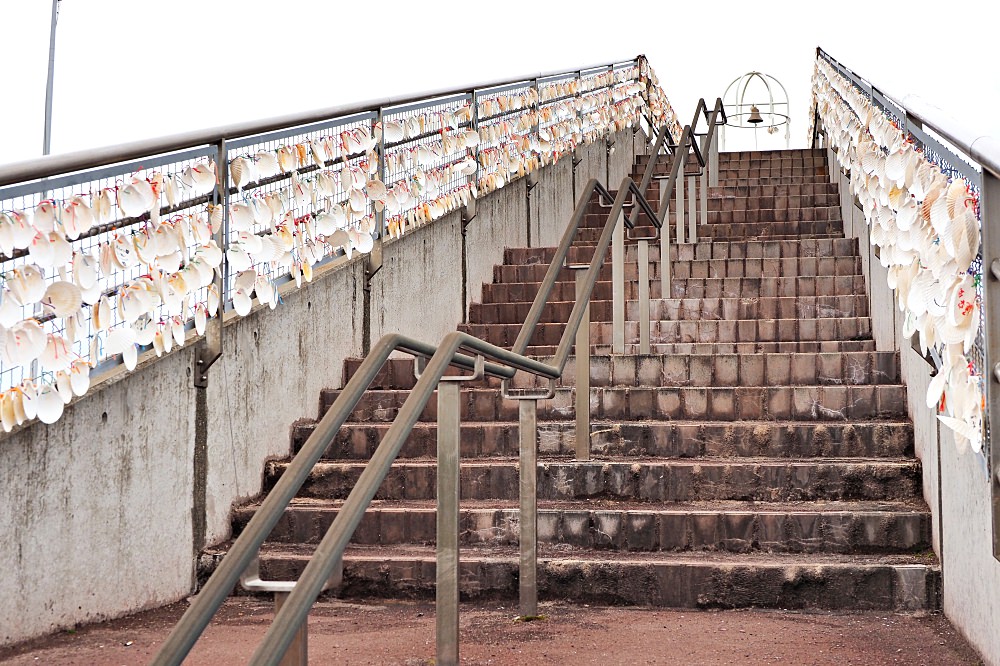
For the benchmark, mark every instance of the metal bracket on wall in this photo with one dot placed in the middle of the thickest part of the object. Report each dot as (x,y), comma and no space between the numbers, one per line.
(468,213)
(532,179)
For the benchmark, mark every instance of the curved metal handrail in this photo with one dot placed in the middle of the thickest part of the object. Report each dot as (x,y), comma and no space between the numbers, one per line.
(245,548)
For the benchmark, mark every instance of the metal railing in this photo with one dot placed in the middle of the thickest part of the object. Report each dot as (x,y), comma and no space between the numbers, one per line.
(959,153)
(152,242)
(327,558)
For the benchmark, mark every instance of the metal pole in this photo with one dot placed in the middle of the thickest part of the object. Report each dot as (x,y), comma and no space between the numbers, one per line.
(448,440)
(665,253)
(617,290)
(703,195)
(47,132)
(644,297)
(297,653)
(713,159)
(692,210)
(990,203)
(582,367)
(528,569)
(679,212)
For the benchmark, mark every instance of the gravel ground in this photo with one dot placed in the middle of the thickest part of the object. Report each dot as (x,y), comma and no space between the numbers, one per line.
(402,632)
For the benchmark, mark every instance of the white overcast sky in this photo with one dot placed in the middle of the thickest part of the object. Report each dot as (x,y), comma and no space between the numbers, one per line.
(131,69)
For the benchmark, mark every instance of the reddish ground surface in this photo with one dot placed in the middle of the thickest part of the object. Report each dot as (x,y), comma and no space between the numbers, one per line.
(394,632)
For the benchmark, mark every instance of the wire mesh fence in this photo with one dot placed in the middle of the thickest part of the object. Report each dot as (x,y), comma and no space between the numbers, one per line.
(102,265)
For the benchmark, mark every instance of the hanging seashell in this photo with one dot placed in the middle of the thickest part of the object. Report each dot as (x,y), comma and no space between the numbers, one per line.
(241,217)
(62,299)
(242,170)
(286,159)
(267,164)
(24,342)
(79,377)
(49,404)
(136,198)
(44,219)
(64,387)
(57,354)
(77,218)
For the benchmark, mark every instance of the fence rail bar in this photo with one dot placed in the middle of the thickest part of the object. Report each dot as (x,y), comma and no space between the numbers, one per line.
(42,167)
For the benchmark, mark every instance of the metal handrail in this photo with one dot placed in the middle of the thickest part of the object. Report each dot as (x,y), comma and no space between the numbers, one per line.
(42,167)
(983,148)
(915,117)
(245,548)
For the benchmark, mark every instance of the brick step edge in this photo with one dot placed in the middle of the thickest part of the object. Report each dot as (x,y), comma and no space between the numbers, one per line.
(664,583)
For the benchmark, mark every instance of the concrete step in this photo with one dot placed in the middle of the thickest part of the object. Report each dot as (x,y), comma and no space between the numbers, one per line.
(582,252)
(763,230)
(638,439)
(742,330)
(815,213)
(677,309)
(637,480)
(807,347)
(735,527)
(760,287)
(790,267)
(695,580)
(724,369)
(810,403)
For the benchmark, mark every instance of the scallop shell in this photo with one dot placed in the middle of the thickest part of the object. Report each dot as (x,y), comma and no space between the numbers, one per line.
(286,159)
(201,177)
(26,284)
(241,217)
(242,170)
(77,218)
(24,342)
(50,404)
(44,219)
(242,302)
(62,298)
(57,355)
(136,198)
(200,318)
(392,131)
(79,377)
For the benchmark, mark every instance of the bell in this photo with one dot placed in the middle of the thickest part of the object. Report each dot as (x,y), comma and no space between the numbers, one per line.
(754,118)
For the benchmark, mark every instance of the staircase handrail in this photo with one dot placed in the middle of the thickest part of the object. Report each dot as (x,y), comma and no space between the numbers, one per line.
(243,551)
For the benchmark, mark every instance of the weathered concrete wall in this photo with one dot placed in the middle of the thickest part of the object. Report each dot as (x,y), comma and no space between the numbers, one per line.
(955,485)
(273,367)
(96,517)
(103,511)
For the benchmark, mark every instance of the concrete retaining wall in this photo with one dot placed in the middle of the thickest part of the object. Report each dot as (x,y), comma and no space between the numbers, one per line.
(955,485)
(104,511)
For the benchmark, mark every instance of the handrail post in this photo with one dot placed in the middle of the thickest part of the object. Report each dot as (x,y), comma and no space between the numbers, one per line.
(617,289)
(665,252)
(692,210)
(990,215)
(448,472)
(679,193)
(582,366)
(643,258)
(713,159)
(528,514)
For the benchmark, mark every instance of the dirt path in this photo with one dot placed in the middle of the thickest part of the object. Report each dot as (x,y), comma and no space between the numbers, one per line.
(394,632)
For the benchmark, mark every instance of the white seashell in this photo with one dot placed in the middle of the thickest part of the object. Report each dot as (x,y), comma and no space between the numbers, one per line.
(358,201)
(77,218)
(267,164)
(242,217)
(242,170)
(239,259)
(201,177)
(376,189)
(10,311)
(64,386)
(136,198)
(7,417)
(24,342)
(242,302)
(392,131)
(26,284)
(79,376)
(57,355)
(177,330)
(44,219)
(84,270)
(200,318)
(212,302)
(49,404)
(62,299)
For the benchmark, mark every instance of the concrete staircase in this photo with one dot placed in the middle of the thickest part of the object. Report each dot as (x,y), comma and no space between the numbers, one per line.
(760,456)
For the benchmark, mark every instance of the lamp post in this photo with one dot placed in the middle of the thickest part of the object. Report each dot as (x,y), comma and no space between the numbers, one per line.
(47,136)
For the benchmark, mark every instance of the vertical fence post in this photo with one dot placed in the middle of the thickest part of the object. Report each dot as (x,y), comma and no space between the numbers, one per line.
(692,208)
(448,443)
(643,258)
(528,515)
(989,202)
(681,154)
(617,288)
(665,248)
(582,368)
(713,158)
